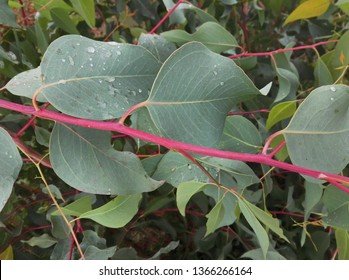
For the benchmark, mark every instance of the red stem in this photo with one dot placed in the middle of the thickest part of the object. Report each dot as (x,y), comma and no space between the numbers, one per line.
(166,16)
(25,20)
(245,54)
(172,144)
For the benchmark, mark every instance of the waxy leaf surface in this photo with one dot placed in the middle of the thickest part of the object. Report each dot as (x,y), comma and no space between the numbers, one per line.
(193,92)
(96,80)
(85,160)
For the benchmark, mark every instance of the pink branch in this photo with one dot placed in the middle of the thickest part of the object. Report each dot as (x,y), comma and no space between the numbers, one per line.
(165,17)
(171,144)
(245,54)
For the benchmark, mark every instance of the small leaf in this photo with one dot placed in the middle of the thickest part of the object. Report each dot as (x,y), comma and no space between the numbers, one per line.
(260,232)
(214,217)
(288,84)
(342,239)
(43,241)
(267,219)
(322,74)
(10,165)
(86,8)
(116,213)
(313,194)
(280,112)
(26,83)
(189,102)
(211,34)
(76,208)
(240,135)
(157,45)
(62,20)
(85,160)
(308,9)
(185,191)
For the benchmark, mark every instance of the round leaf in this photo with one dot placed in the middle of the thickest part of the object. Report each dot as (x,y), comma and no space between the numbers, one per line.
(193,92)
(96,80)
(85,160)
(317,135)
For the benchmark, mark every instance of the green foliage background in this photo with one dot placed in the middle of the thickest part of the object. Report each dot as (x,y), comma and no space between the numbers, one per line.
(130,199)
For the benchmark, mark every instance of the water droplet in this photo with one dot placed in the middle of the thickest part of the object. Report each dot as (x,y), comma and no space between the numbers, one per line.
(189,166)
(6,153)
(63,60)
(215,66)
(90,59)
(91,50)
(78,44)
(112,43)
(221,83)
(100,81)
(108,54)
(118,52)
(10,156)
(140,91)
(333,89)
(103,105)
(12,55)
(331,98)
(103,69)
(109,192)
(82,66)
(91,65)
(215,73)
(173,169)
(110,79)
(71,60)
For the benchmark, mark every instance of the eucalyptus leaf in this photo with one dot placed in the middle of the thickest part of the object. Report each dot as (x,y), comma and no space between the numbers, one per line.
(26,84)
(96,80)
(211,34)
(43,241)
(84,159)
(185,191)
(116,213)
(240,135)
(317,134)
(215,217)
(157,45)
(193,92)
(288,84)
(10,165)
(260,232)
(7,17)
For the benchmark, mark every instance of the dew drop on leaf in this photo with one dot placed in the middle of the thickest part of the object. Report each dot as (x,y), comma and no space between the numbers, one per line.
(71,60)
(333,89)
(91,50)
(215,73)
(118,52)
(221,83)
